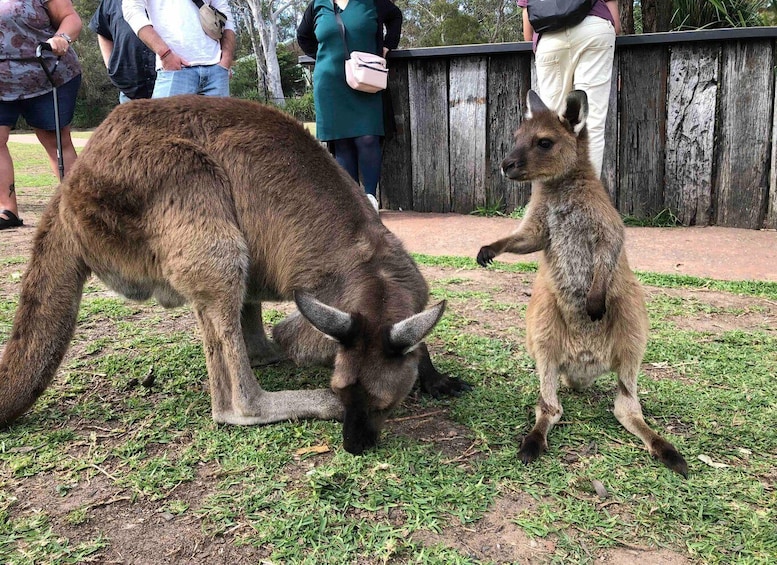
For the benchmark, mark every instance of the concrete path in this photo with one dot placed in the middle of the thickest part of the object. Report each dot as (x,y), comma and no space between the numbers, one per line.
(713,252)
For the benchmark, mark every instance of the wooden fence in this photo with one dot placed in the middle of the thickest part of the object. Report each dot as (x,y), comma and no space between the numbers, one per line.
(691,127)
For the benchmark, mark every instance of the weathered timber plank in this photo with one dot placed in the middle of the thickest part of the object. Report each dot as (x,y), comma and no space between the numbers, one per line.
(610,158)
(642,120)
(396,177)
(690,132)
(771,211)
(509,80)
(744,133)
(467,130)
(428,93)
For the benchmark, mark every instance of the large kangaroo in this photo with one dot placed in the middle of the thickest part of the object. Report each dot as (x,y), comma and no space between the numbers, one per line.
(586,315)
(222,203)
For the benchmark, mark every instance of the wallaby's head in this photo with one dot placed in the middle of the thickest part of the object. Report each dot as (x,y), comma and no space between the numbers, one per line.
(547,144)
(375,367)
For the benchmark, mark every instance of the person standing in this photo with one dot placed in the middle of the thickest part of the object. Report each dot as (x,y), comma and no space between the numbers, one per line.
(579,57)
(352,121)
(131,65)
(26,90)
(188,61)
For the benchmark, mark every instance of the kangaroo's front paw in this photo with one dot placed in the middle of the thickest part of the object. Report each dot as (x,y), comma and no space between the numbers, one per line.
(444,385)
(486,256)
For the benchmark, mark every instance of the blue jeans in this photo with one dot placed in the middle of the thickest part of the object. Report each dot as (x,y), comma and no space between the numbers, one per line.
(210,80)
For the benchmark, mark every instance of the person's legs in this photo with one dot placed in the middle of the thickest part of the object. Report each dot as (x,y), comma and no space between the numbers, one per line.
(370,159)
(49,141)
(214,81)
(171,83)
(347,157)
(593,52)
(39,113)
(7,189)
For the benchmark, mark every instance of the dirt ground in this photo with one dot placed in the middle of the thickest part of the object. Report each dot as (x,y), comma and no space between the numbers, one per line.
(141,532)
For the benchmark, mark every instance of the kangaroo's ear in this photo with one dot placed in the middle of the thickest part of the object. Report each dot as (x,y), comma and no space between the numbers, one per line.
(534,104)
(576,110)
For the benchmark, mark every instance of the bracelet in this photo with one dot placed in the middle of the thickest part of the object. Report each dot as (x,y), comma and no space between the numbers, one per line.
(165,54)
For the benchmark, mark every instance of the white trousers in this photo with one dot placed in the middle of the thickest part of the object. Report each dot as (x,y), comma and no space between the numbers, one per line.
(579,58)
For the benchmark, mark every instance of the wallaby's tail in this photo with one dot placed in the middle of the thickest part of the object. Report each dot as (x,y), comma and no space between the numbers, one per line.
(45,317)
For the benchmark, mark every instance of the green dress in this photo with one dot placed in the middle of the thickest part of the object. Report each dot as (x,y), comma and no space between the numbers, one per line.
(342,112)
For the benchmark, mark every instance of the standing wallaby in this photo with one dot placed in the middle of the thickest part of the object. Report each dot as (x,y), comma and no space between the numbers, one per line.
(587,314)
(223,203)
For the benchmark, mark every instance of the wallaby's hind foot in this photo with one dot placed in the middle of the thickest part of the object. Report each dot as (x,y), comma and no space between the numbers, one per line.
(669,456)
(532,446)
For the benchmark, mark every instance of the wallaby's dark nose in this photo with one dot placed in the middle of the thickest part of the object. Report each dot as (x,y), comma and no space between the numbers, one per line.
(511,166)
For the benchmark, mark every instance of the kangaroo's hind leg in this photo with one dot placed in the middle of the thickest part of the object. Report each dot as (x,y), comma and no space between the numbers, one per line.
(547,412)
(629,413)
(261,351)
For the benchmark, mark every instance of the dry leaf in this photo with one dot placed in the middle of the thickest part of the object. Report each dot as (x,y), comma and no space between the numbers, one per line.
(708,460)
(599,488)
(312,449)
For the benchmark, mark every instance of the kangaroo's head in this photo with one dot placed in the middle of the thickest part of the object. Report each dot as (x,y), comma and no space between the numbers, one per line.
(375,367)
(548,144)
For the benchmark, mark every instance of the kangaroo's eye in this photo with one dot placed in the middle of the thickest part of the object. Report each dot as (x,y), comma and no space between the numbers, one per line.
(545,143)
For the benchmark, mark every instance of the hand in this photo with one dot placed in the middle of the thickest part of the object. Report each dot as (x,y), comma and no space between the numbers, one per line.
(59,45)
(486,256)
(173,62)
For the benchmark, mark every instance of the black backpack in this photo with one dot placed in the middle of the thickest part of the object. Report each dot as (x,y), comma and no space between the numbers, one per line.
(552,15)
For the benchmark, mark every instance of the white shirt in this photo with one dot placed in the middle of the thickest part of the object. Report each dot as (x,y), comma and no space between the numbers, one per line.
(178,23)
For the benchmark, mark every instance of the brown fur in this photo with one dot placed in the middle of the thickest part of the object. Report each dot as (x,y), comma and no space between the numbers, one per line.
(587,312)
(222,204)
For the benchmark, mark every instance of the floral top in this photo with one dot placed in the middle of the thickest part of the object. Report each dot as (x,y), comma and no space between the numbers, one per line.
(24,24)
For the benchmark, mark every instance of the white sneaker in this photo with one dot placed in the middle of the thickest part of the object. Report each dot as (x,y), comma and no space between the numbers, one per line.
(373,201)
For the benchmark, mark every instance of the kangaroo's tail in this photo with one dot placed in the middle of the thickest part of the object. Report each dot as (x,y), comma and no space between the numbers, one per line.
(45,316)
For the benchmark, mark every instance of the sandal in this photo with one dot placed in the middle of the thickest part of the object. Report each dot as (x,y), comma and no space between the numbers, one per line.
(12,221)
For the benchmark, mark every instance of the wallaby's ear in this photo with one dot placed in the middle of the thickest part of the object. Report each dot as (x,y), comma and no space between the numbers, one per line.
(576,110)
(405,336)
(534,104)
(335,324)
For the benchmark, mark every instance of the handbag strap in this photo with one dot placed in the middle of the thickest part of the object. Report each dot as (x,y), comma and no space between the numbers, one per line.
(199,3)
(341,25)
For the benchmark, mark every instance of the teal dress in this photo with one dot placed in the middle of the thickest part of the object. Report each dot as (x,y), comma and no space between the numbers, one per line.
(342,112)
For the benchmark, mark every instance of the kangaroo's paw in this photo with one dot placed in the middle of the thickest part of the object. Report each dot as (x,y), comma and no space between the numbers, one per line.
(268,354)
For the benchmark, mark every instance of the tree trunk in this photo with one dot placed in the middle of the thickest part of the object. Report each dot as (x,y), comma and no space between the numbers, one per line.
(267,29)
(626,10)
(656,15)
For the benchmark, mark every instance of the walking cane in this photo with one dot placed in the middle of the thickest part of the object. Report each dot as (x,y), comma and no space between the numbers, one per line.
(50,74)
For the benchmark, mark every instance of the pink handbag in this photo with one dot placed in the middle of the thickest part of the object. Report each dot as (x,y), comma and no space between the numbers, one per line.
(366,72)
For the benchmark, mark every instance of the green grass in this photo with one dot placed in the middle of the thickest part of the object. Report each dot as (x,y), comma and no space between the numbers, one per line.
(717,400)
(712,394)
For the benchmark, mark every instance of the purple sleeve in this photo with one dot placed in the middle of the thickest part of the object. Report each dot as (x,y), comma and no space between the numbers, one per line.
(522,3)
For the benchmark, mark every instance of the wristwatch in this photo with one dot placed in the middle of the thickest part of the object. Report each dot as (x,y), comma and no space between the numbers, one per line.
(66,36)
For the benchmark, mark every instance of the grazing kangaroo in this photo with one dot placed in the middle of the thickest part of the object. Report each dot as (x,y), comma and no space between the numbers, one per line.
(587,314)
(222,204)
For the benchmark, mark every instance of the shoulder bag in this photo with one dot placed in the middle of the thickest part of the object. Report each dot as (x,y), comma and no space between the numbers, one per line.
(553,15)
(364,72)
(211,19)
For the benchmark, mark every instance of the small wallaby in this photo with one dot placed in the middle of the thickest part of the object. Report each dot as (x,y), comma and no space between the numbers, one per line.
(587,314)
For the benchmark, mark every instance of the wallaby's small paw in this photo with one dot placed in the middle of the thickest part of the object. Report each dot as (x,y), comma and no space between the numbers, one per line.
(485,256)
(531,448)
